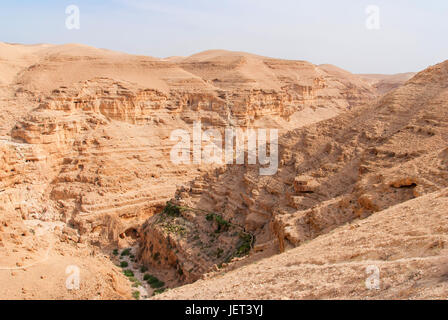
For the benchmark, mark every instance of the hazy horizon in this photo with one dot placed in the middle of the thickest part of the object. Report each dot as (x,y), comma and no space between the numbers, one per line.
(409,37)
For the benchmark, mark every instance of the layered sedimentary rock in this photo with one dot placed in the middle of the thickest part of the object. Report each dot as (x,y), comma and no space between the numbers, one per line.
(333,172)
(405,244)
(101,122)
(85,164)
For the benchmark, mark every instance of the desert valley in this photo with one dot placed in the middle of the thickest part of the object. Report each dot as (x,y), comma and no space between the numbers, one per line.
(88,190)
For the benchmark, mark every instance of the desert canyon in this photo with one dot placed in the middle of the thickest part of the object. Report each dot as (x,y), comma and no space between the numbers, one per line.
(86,178)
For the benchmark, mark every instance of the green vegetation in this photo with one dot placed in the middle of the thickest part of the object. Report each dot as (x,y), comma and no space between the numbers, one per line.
(172,210)
(244,245)
(153,281)
(115,252)
(136,295)
(123,264)
(157,285)
(136,284)
(175,228)
(128,273)
(143,269)
(223,225)
(126,252)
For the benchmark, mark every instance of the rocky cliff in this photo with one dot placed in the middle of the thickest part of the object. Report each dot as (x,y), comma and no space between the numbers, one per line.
(330,173)
(101,127)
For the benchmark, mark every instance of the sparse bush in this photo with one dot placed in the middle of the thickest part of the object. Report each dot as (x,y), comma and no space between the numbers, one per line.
(123,264)
(157,284)
(143,269)
(223,225)
(175,228)
(115,252)
(126,252)
(136,284)
(136,294)
(128,273)
(153,281)
(245,244)
(171,210)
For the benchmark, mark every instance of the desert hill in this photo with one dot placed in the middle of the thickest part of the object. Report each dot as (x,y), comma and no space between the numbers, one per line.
(85,167)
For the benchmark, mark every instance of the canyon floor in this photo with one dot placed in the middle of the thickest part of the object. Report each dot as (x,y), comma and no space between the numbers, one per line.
(92,207)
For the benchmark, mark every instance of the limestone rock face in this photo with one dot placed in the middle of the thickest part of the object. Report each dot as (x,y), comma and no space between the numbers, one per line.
(85,157)
(339,170)
(100,123)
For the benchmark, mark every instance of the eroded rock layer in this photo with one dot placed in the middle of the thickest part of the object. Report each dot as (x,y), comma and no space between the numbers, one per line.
(331,173)
(100,123)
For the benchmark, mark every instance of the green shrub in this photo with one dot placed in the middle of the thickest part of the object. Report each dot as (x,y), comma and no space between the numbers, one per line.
(150,278)
(244,245)
(136,283)
(171,210)
(153,281)
(128,273)
(136,295)
(124,264)
(143,269)
(126,252)
(157,284)
(223,225)
(115,252)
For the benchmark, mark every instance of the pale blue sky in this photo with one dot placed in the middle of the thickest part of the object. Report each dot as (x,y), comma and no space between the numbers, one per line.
(413,33)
